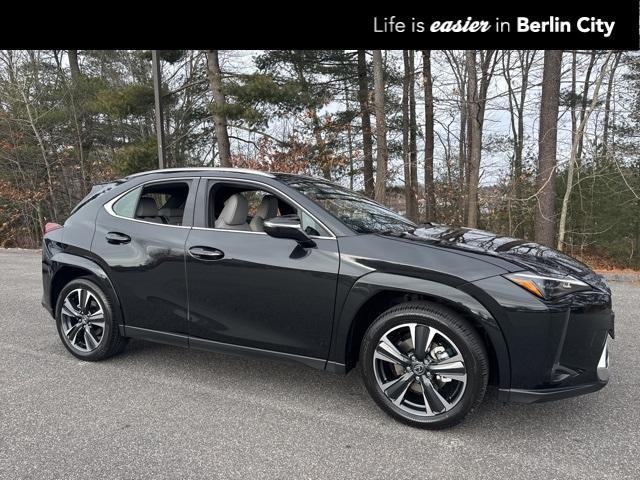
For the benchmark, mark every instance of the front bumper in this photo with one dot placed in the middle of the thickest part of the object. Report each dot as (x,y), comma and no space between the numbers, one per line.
(520,395)
(556,350)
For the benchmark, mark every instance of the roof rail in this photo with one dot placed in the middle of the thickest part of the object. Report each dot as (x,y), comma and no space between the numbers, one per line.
(203,169)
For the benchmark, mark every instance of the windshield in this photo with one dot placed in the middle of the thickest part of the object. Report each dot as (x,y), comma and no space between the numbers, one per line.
(358,212)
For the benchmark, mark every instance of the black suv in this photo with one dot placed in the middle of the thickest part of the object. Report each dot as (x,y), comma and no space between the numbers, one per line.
(298,268)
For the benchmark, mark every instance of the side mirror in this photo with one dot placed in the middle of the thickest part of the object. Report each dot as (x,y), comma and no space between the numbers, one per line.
(288,226)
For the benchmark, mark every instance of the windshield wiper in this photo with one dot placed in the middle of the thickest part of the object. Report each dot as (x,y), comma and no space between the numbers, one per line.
(394,233)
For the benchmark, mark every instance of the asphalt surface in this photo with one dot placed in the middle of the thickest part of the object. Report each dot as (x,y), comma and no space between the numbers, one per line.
(163,412)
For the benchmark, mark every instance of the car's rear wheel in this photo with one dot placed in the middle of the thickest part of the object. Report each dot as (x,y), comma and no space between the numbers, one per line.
(86,321)
(424,365)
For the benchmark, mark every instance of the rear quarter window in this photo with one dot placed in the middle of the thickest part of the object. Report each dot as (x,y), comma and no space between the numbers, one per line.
(126,206)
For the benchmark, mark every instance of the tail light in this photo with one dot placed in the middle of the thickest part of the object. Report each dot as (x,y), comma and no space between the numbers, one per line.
(51,226)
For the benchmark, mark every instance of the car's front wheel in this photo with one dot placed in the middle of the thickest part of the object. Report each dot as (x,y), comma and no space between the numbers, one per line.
(86,321)
(424,365)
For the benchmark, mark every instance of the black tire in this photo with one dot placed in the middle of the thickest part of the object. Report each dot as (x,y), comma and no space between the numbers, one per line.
(111,342)
(466,340)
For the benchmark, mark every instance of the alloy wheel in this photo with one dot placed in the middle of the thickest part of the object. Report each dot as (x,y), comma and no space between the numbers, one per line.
(419,369)
(83,320)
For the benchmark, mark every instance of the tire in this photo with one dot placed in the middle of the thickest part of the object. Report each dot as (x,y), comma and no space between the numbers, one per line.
(98,316)
(456,349)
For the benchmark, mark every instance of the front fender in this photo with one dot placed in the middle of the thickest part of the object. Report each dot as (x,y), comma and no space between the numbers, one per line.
(368,286)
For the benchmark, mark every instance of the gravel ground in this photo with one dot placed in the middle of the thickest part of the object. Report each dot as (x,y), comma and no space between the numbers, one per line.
(163,412)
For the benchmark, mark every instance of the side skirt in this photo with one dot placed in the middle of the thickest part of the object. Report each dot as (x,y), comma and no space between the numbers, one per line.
(211,345)
(155,336)
(220,347)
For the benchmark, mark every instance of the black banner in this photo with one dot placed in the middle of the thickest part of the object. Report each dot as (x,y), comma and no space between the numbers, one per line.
(536,25)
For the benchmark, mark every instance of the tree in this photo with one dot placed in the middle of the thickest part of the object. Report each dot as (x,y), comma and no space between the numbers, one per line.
(459,69)
(413,140)
(74,65)
(298,85)
(219,104)
(429,143)
(477,100)
(365,115)
(578,137)
(547,143)
(607,105)
(475,140)
(517,102)
(409,136)
(381,128)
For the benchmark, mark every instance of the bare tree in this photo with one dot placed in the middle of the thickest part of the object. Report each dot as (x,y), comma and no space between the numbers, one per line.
(382,156)
(476,101)
(548,134)
(429,143)
(607,105)
(408,136)
(219,103)
(517,101)
(365,115)
(475,140)
(578,138)
(413,138)
(458,66)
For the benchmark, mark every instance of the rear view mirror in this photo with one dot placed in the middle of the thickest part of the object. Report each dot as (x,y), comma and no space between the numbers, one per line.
(288,226)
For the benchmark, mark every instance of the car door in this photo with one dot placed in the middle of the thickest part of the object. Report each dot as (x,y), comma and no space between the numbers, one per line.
(144,257)
(258,291)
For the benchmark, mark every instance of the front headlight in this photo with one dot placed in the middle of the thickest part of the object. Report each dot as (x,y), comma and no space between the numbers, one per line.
(548,288)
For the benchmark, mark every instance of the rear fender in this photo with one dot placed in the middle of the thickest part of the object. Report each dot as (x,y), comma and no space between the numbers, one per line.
(60,261)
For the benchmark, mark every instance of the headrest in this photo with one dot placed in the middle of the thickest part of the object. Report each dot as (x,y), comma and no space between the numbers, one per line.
(235,210)
(175,202)
(268,207)
(170,212)
(147,207)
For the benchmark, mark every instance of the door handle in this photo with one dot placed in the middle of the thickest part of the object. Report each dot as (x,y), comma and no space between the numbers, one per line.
(117,238)
(206,253)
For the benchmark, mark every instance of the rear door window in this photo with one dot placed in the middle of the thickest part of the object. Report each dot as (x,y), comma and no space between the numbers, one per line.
(157,202)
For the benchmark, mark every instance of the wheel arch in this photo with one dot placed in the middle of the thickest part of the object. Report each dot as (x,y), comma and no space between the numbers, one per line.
(376,292)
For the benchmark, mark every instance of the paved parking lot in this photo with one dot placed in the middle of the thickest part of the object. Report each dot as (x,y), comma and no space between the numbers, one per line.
(164,412)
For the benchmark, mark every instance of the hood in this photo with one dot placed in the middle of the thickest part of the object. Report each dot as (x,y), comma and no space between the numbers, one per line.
(522,253)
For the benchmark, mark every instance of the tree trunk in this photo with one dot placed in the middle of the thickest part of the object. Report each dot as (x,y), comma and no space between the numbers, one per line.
(381,128)
(84,144)
(406,155)
(74,65)
(349,137)
(546,177)
(462,154)
(413,139)
(607,106)
(584,100)
(429,140)
(475,138)
(219,103)
(321,146)
(365,113)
